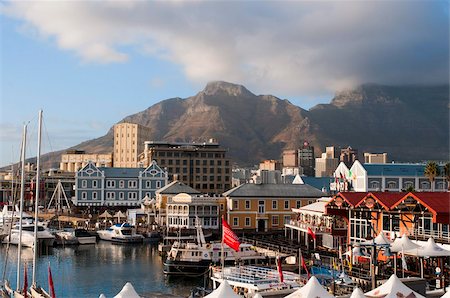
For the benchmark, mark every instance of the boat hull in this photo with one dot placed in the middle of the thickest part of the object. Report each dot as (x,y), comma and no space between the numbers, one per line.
(87,240)
(186,268)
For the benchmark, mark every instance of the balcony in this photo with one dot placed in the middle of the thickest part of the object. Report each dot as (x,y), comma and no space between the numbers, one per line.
(423,234)
(305,225)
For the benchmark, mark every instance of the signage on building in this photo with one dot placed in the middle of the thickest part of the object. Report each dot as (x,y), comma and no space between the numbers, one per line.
(338,201)
(369,202)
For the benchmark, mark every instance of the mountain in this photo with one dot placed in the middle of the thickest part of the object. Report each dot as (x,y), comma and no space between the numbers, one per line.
(411,123)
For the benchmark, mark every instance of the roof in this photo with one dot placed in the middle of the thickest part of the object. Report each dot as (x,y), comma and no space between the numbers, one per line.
(319,207)
(352,198)
(121,172)
(387,199)
(275,190)
(396,169)
(317,182)
(177,187)
(437,202)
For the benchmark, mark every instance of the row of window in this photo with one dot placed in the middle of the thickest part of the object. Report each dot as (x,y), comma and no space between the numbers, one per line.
(182,154)
(262,203)
(274,220)
(112,184)
(205,221)
(185,169)
(111,195)
(407,184)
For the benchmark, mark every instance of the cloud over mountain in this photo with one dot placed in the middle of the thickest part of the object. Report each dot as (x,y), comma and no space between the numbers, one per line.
(292,48)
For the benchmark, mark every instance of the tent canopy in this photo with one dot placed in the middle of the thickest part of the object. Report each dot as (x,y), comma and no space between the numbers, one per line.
(120,214)
(446,295)
(403,243)
(379,240)
(127,291)
(223,291)
(430,249)
(105,214)
(312,289)
(357,293)
(392,285)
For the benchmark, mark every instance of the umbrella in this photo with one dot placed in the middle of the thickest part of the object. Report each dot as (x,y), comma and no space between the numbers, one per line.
(392,285)
(223,291)
(357,293)
(127,291)
(105,214)
(312,289)
(119,215)
(403,243)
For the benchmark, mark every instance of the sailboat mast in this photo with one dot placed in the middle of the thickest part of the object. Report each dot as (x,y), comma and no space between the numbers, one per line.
(36,205)
(22,195)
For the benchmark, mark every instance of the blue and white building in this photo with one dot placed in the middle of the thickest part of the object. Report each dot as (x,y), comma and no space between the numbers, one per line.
(101,186)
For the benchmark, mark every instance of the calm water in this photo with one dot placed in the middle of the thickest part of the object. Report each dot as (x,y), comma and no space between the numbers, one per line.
(89,270)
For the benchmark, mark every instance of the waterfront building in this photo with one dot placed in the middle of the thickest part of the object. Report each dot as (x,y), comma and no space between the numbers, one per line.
(129,139)
(183,209)
(165,195)
(327,163)
(99,186)
(264,207)
(418,214)
(74,160)
(393,177)
(348,156)
(375,157)
(203,166)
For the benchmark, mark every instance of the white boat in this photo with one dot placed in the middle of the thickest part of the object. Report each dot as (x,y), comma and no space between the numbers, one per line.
(124,233)
(10,214)
(63,237)
(84,237)
(252,280)
(44,237)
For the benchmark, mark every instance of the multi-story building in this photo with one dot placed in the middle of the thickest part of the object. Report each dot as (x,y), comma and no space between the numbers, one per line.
(265,207)
(129,141)
(203,166)
(348,156)
(392,177)
(375,158)
(327,163)
(183,209)
(290,158)
(270,165)
(98,186)
(74,160)
(300,161)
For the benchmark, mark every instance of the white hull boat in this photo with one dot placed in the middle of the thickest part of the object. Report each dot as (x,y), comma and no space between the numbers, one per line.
(44,237)
(122,233)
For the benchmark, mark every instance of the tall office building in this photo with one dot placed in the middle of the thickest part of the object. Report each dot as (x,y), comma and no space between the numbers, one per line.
(306,159)
(375,157)
(202,166)
(129,141)
(327,163)
(348,156)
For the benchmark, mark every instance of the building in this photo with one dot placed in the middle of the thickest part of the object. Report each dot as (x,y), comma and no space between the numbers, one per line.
(392,177)
(74,160)
(266,207)
(327,163)
(348,156)
(375,158)
(129,141)
(203,166)
(270,165)
(183,209)
(290,158)
(98,186)
(300,161)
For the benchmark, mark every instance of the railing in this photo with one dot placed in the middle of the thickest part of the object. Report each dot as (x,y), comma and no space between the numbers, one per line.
(440,236)
(305,226)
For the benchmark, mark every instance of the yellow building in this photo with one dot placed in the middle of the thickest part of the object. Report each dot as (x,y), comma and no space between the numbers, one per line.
(74,160)
(129,141)
(265,207)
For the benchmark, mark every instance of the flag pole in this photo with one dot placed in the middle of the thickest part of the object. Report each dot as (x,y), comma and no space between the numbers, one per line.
(222,249)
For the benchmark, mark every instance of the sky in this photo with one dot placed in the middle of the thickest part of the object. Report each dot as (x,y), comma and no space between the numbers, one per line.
(88,64)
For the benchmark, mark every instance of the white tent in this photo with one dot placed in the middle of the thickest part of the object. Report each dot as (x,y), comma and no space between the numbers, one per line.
(127,291)
(430,249)
(392,285)
(258,295)
(102,296)
(312,289)
(357,293)
(446,295)
(223,291)
(379,240)
(403,243)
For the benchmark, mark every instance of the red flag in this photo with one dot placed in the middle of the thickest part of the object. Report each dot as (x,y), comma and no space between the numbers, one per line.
(304,266)
(229,237)
(25,281)
(310,232)
(280,271)
(50,282)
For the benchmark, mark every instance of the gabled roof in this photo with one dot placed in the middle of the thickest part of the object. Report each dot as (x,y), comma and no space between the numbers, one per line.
(177,187)
(386,199)
(438,203)
(121,172)
(275,190)
(353,198)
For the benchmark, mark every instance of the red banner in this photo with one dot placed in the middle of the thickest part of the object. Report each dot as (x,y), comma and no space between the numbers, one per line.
(311,233)
(50,283)
(229,237)
(280,271)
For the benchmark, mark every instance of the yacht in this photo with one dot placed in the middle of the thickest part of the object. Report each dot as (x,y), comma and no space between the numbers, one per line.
(44,237)
(10,212)
(84,237)
(123,233)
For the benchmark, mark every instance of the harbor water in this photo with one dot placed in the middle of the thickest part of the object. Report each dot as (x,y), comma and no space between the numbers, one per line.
(89,270)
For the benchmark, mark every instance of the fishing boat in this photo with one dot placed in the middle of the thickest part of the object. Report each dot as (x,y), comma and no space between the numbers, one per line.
(253,280)
(122,233)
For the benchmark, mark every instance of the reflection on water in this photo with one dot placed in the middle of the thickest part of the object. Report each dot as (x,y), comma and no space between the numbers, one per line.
(88,270)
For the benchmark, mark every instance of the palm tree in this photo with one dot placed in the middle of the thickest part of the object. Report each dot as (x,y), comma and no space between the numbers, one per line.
(431,172)
(447,174)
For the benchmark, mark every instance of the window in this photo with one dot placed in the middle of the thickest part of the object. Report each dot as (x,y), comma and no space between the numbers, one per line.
(84,183)
(247,221)
(110,195)
(298,204)
(286,204)
(375,185)
(158,184)
(148,184)
(121,196)
(94,195)
(287,219)
(392,184)
(247,204)
(425,185)
(235,204)
(132,184)
(110,183)
(84,195)
(235,221)
(94,183)
(274,204)
(275,220)
(132,196)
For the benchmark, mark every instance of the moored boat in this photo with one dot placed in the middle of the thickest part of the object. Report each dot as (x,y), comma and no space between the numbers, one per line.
(44,237)
(122,233)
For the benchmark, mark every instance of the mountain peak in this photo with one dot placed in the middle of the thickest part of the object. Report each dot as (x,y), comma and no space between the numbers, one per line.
(221,87)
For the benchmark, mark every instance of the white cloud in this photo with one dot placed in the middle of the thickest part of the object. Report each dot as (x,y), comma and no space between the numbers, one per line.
(291,48)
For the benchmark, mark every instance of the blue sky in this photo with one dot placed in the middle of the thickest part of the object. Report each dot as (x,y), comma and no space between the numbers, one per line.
(88,64)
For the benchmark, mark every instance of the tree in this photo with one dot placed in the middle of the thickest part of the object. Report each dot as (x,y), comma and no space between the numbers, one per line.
(431,172)
(447,174)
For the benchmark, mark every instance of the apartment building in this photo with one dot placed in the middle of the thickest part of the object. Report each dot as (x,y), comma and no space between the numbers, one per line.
(74,160)
(202,166)
(327,163)
(129,141)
